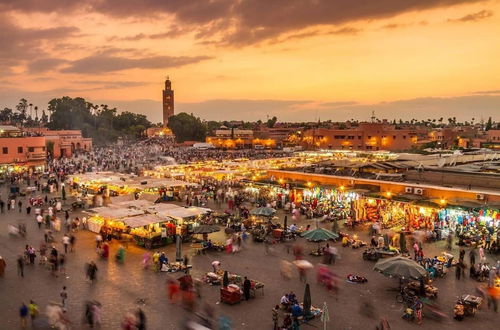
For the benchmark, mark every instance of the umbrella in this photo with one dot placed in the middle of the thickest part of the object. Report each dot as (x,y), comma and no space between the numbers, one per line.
(205,229)
(401,267)
(225,279)
(307,302)
(319,235)
(263,211)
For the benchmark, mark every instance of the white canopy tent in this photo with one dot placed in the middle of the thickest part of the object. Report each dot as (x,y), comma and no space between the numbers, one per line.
(142,220)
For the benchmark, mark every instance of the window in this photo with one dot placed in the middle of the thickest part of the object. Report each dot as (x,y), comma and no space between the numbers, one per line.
(350,137)
(404,137)
(19,150)
(368,147)
(43,148)
(5,150)
(359,137)
(31,149)
(394,137)
(369,137)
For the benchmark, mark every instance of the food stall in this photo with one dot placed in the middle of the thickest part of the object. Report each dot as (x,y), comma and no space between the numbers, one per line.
(110,217)
(148,230)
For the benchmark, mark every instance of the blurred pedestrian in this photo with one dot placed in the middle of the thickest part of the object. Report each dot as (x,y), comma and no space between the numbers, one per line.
(141,319)
(33,310)
(72,241)
(91,271)
(64,296)
(89,314)
(173,289)
(20,266)
(23,314)
(472,256)
(66,240)
(247,285)
(2,267)
(275,311)
(129,322)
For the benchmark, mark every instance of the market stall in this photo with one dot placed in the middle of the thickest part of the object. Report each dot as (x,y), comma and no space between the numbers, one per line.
(149,230)
(109,217)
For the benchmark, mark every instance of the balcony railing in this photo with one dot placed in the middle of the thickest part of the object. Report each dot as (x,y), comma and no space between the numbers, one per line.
(36,155)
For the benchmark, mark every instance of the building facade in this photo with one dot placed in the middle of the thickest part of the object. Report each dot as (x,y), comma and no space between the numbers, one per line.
(63,143)
(21,151)
(366,136)
(168,102)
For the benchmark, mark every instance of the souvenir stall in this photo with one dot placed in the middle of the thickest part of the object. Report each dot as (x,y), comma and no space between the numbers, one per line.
(471,225)
(334,202)
(394,214)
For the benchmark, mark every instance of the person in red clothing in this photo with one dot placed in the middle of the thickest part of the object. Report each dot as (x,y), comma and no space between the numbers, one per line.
(173,290)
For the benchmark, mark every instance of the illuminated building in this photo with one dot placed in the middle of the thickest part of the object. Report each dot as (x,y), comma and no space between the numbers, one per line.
(366,136)
(21,150)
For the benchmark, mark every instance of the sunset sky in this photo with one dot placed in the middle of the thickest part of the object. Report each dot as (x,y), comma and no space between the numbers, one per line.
(245,59)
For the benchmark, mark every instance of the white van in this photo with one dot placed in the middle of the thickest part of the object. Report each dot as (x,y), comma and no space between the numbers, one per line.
(203,146)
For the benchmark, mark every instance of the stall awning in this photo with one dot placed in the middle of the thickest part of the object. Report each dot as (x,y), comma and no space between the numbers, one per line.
(138,204)
(162,207)
(407,197)
(429,203)
(142,220)
(116,212)
(183,213)
(466,203)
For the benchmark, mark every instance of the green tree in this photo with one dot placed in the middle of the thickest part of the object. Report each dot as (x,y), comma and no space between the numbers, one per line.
(6,115)
(271,122)
(489,124)
(102,123)
(187,127)
(50,147)
(22,108)
(212,126)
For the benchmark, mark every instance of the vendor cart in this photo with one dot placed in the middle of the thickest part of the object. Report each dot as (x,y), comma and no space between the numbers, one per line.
(470,304)
(430,291)
(230,295)
(375,254)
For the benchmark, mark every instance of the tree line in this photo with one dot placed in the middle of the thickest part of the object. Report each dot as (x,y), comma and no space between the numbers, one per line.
(98,121)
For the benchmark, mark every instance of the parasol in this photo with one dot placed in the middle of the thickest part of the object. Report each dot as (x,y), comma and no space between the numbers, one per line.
(307,302)
(319,235)
(263,211)
(205,229)
(401,267)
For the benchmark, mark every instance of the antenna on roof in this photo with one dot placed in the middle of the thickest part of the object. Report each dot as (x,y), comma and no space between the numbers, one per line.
(373,116)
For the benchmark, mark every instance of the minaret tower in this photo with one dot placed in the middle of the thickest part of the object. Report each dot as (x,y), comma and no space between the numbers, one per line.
(168,102)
